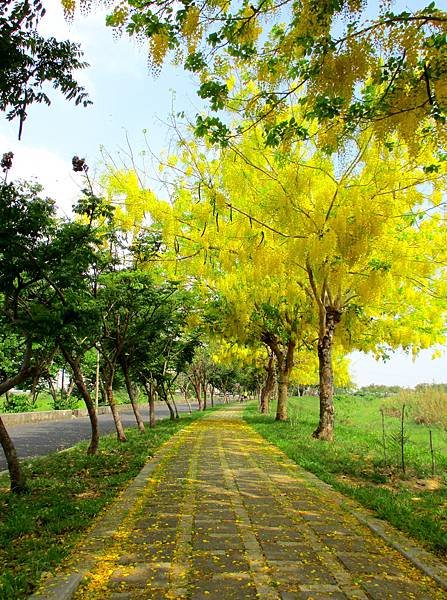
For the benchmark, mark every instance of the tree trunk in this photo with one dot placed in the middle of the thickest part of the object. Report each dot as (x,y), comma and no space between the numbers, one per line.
(268,387)
(325,429)
(82,389)
(102,391)
(152,419)
(177,416)
(16,475)
(198,394)
(53,391)
(35,396)
(108,383)
(150,393)
(171,410)
(164,395)
(284,361)
(131,394)
(205,397)
(212,396)
(24,374)
(70,389)
(283,396)
(185,393)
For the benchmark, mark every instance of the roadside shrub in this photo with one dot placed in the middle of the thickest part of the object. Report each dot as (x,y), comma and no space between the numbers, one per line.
(17,403)
(65,402)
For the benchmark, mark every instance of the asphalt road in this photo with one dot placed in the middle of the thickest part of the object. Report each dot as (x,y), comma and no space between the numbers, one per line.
(39,439)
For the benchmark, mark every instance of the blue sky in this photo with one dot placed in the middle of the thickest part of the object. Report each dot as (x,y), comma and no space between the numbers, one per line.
(128,100)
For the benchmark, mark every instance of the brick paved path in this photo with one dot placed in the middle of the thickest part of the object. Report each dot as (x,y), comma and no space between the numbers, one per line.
(226,515)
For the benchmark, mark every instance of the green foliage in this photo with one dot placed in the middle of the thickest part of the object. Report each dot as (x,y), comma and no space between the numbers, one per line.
(64,402)
(11,349)
(18,403)
(216,92)
(213,129)
(351,64)
(26,223)
(28,61)
(46,268)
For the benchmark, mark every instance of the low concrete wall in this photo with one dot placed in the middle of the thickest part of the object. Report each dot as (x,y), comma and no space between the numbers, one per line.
(51,415)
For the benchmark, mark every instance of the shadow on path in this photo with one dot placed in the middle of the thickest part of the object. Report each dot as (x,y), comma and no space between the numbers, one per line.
(224,514)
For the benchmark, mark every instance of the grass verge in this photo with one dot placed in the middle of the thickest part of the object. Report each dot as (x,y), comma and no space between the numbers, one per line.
(354,463)
(67,490)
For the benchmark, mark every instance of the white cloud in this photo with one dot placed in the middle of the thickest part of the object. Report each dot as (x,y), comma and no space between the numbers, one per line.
(50,170)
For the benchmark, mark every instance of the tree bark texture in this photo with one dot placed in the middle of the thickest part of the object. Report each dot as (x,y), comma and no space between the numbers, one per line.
(205,395)
(198,394)
(268,387)
(16,475)
(283,396)
(82,388)
(150,393)
(108,383)
(131,393)
(185,394)
(285,364)
(177,416)
(171,410)
(325,429)
(164,395)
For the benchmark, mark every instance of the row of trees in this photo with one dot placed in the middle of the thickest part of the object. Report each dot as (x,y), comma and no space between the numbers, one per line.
(316,227)
(319,220)
(70,286)
(94,288)
(308,253)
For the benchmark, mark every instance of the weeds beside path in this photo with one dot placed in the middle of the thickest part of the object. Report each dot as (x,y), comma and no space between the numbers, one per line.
(354,464)
(67,491)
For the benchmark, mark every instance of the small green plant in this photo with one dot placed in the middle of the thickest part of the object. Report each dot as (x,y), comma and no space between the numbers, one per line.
(18,403)
(64,402)
(400,439)
(385,457)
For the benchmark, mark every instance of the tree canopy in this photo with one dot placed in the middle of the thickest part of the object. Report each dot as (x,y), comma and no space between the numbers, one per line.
(309,248)
(350,63)
(28,61)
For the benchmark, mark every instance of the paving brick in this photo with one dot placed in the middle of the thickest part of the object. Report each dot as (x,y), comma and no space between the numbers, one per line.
(241,522)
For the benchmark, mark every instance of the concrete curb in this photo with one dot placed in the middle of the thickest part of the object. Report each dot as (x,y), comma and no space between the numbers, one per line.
(11,419)
(62,586)
(423,560)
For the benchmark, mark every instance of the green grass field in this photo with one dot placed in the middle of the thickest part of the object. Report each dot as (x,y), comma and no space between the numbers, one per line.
(415,502)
